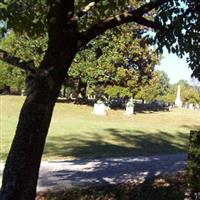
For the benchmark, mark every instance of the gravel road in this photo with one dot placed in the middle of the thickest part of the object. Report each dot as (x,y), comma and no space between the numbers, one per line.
(87,172)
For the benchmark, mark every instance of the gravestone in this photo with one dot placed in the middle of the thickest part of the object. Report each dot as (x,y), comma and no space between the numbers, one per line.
(191,106)
(100,109)
(178,101)
(130,108)
(22,92)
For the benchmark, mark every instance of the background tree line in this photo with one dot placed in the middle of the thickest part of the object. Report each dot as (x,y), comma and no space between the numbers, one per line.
(112,65)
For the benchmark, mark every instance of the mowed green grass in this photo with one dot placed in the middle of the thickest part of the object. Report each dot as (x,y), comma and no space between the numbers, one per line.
(76,133)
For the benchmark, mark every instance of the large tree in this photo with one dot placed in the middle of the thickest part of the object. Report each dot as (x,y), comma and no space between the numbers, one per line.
(70,25)
(115,62)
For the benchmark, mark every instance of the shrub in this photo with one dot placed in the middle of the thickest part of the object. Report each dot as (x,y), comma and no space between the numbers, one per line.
(193,168)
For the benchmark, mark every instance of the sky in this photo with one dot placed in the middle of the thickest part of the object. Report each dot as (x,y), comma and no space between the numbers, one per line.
(175,68)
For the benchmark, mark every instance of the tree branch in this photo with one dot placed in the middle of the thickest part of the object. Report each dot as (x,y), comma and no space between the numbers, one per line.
(17,62)
(132,16)
(145,22)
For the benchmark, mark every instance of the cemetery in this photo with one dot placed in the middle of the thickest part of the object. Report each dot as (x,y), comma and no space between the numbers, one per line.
(111,135)
(99,100)
(117,129)
(114,128)
(97,135)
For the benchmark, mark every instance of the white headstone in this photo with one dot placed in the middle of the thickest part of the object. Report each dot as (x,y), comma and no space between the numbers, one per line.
(22,93)
(178,101)
(129,110)
(100,109)
(191,106)
(130,107)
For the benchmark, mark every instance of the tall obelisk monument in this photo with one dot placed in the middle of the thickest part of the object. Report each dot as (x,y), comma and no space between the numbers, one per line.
(178,101)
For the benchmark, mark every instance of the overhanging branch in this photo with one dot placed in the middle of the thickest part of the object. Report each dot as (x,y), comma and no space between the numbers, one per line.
(126,17)
(16,61)
(151,24)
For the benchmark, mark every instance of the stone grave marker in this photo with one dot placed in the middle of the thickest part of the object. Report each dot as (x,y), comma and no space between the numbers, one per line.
(130,108)
(100,108)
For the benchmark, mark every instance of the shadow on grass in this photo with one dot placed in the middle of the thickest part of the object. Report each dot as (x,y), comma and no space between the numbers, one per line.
(124,143)
(105,171)
(93,171)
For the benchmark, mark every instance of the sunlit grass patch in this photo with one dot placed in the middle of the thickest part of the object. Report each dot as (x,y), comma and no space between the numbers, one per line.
(75,132)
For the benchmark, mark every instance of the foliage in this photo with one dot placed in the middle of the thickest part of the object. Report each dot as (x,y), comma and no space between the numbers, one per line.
(115,61)
(170,96)
(189,94)
(20,18)
(24,47)
(193,169)
(182,19)
(157,87)
(117,92)
(182,38)
(31,24)
(11,77)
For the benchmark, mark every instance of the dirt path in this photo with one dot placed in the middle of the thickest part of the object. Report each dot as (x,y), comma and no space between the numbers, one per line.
(86,172)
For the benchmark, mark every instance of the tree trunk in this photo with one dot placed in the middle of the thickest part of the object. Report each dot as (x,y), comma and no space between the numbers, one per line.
(81,92)
(22,166)
(64,90)
(23,161)
(6,89)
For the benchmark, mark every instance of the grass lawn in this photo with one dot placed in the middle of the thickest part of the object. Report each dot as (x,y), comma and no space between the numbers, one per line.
(76,133)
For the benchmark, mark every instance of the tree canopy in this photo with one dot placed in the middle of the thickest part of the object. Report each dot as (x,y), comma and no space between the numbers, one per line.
(175,21)
(115,62)
(157,87)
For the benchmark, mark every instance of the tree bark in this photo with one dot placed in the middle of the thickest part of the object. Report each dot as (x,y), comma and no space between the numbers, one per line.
(6,89)
(23,161)
(22,166)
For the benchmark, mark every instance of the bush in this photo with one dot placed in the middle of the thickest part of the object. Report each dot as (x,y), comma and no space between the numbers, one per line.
(193,168)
